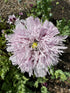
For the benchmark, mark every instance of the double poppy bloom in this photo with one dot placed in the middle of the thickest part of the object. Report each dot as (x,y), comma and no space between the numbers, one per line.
(35,46)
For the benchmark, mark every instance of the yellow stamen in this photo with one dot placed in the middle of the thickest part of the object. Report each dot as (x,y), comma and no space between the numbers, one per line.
(34,45)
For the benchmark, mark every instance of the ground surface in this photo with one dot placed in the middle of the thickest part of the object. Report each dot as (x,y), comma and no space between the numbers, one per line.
(59,11)
(13,7)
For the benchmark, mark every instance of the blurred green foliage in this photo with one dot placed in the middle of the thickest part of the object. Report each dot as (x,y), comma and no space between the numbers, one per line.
(42,9)
(63,76)
(44,90)
(64,27)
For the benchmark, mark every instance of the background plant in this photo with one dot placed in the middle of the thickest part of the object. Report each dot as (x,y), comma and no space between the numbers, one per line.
(59,74)
(64,27)
(42,9)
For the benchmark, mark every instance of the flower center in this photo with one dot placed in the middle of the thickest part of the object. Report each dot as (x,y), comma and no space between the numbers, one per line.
(34,45)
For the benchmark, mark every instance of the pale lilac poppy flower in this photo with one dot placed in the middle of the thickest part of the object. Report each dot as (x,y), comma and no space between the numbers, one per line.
(12,19)
(35,46)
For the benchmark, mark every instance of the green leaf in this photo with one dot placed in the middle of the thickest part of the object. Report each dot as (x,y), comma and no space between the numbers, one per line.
(61,74)
(26,79)
(44,90)
(63,77)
